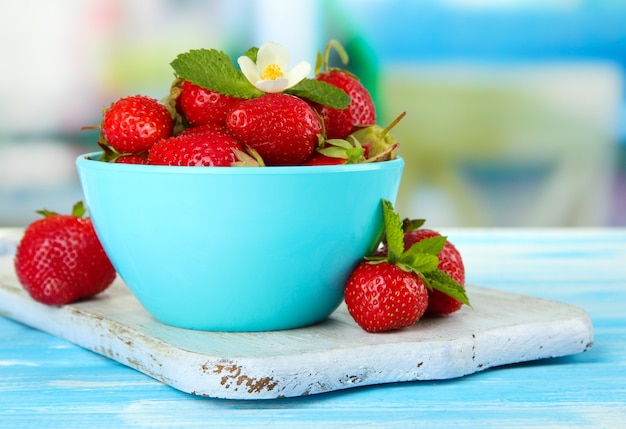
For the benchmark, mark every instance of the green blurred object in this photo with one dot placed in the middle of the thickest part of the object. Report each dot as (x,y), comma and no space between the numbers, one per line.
(505,146)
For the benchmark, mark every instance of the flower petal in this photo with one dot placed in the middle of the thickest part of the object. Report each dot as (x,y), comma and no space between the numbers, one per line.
(272,53)
(271,72)
(249,69)
(275,85)
(298,73)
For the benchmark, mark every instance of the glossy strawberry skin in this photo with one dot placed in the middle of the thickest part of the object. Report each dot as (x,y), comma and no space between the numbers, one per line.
(321,159)
(450,262)
(339,123)
(283,129)
(60,260)
(201,106)
(196,149)
(131,125)
(131,159)
(382,297)
(217,128)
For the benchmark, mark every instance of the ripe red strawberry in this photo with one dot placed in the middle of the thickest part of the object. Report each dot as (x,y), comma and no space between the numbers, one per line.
(450,259)
(381,297)
(320,159)
(282,128)
(60,259)
(450,262)
(360,112)
(202,106)
(207,148)
(131,159)
(131,125)
(204,128)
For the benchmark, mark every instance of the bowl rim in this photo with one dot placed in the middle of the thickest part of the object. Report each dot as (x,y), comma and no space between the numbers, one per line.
(89,160)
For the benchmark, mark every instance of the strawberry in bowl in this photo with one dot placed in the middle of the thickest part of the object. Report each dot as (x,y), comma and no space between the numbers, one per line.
(224,223)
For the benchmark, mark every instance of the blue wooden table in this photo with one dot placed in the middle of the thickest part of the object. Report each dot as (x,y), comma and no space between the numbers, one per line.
(48,382)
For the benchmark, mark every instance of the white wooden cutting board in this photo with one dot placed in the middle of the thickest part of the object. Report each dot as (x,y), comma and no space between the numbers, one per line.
(501,328)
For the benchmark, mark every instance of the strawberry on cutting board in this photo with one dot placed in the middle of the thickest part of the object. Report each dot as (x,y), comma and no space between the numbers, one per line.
(450,262)
(390,290)
(60,259)
(382,297)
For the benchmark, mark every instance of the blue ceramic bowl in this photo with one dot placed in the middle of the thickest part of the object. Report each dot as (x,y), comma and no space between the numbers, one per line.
(237,248)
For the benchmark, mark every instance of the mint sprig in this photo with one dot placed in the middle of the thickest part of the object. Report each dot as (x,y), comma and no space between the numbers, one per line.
(421,258)
(442,282)
(321,92)
(213,70)
(252,53)
(393,231)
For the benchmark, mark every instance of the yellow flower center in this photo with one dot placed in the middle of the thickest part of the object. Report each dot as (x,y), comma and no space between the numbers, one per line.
(272,72)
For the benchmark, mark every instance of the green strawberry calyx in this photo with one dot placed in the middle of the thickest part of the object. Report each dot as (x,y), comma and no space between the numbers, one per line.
(421,258)
(78,210)
(379,143)
(349,149)
(248,158)
(213,69)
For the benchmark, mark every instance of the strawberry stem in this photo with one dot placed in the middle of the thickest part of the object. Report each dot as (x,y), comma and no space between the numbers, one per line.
(78,209)
(343,55)
(46,213)
(393,123)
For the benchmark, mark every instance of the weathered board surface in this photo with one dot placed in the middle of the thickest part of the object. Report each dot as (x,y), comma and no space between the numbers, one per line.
(501,328)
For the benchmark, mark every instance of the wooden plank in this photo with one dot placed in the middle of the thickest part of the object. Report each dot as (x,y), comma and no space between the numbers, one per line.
(500,329)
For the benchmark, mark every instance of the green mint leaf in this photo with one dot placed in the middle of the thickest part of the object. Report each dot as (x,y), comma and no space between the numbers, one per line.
(430,245)
(252,53)
(442,282)
(411,224)
(213,70)
(321,92)
(419,262)
(393,229)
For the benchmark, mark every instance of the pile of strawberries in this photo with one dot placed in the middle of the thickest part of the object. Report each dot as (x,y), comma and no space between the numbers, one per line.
(200,126)
(213,117)
(416,271)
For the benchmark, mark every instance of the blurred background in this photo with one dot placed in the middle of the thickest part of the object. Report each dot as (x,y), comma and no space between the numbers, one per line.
(516,109)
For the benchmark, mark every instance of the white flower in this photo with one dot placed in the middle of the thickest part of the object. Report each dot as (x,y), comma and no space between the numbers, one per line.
(271,72)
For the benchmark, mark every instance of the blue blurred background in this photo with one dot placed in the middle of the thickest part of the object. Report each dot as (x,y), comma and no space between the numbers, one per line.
(515,108)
